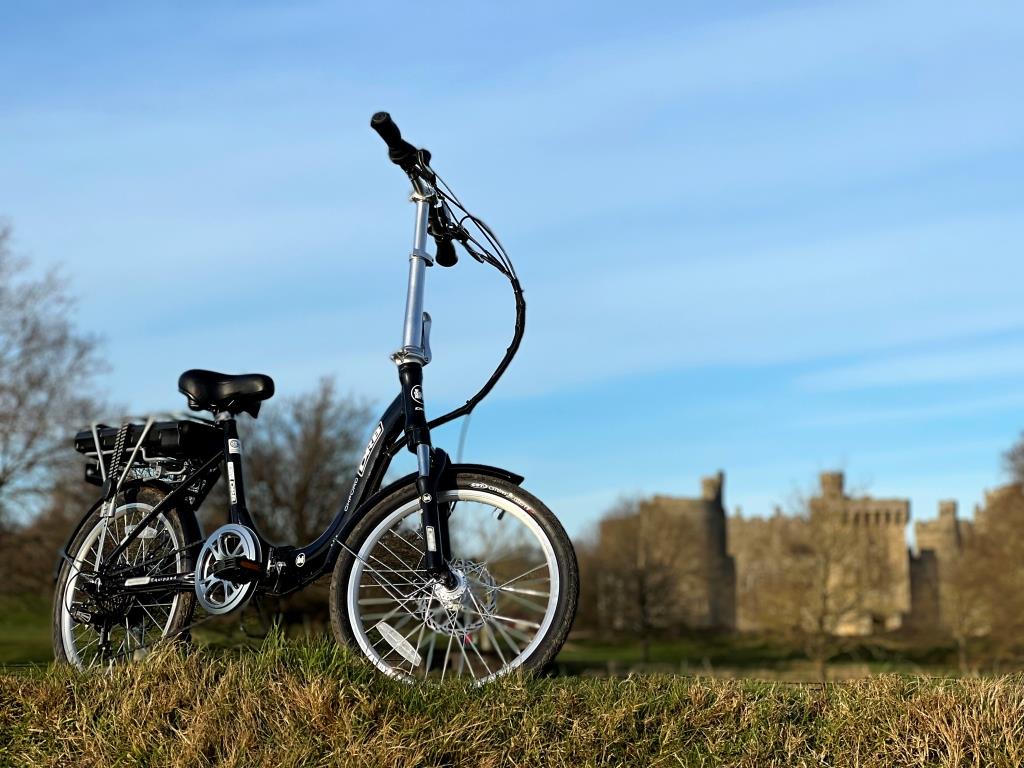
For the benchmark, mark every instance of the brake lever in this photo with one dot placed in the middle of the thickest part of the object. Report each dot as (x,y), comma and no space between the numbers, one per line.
(444,230)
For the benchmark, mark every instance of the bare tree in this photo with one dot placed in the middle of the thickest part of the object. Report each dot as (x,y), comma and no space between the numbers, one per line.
(965,587)
(46,369)
(815,580)
(646,567)
(992,576)
(300,458)
(29,553)
(1013,459)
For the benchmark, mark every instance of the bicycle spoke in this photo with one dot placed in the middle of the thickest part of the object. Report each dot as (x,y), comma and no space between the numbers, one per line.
(520,576)
(409,544)
(419,640)
(516,590)
(477,652)
(509,619)
(464,658)
(392,553)
(526,603)
(487,626)
(447,653)
(430,652)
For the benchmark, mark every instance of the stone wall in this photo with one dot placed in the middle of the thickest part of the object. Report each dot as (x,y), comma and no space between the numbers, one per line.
(872,529)
(731,564)
(686,536)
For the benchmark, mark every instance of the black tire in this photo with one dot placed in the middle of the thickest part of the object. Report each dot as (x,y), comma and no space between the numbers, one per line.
(172,530)
(482,580)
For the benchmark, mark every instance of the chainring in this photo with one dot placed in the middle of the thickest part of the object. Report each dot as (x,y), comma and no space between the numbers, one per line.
(216,595)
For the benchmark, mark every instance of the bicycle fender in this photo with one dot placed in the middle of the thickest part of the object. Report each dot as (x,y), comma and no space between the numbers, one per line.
(477,469)
(192,528)
(446,483)
(63,553)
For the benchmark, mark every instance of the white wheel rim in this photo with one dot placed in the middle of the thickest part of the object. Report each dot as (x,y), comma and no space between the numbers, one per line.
(109,527)
(385,654)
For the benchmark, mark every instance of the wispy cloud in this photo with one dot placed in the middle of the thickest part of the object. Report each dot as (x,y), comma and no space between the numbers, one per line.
(976,363)
(955,408)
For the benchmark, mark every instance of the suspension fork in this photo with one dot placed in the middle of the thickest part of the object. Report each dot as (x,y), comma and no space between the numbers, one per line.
(431,463)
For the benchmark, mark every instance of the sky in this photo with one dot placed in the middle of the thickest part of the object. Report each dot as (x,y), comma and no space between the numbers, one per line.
(772,239)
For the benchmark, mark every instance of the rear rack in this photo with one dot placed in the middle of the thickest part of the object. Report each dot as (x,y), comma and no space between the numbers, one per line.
(170,441)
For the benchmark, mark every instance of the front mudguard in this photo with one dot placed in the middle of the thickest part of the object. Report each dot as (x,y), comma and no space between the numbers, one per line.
(446,482)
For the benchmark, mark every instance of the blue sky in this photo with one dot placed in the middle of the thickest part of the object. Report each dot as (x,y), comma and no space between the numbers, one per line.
(768,238)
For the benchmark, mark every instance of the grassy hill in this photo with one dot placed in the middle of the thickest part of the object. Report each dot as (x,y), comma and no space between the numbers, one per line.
(292,704)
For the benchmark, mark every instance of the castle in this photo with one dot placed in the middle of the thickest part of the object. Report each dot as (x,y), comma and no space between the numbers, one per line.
(735,565)
(676,548)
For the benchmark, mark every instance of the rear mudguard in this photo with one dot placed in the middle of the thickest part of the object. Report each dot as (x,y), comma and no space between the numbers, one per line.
(193,531)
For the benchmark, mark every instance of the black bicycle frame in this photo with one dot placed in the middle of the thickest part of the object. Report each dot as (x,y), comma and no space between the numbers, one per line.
(309,562)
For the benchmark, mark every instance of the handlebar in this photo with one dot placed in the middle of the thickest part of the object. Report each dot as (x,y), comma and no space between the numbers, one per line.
(415,162)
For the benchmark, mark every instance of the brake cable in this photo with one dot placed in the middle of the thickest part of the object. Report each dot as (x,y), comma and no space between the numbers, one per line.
(503,264)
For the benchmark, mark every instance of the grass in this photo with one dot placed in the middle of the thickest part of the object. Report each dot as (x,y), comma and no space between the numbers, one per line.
(733,650)
(293,704)
(25,638)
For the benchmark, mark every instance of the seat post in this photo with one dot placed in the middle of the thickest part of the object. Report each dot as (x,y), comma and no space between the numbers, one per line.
(237,510)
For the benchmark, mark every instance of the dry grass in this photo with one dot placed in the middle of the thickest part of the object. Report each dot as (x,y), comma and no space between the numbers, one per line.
(291,705)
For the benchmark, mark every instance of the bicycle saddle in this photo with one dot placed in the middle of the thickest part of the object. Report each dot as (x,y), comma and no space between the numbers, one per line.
(212,391)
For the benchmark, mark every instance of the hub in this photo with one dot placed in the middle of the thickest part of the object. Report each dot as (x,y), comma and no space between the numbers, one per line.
(452,597)
(461,609)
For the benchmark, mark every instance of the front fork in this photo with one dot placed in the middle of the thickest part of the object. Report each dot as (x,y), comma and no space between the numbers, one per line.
(431,463)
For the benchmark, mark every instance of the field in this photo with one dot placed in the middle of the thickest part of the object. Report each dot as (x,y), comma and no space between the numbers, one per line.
(24,630)
(25,639)
(293,704)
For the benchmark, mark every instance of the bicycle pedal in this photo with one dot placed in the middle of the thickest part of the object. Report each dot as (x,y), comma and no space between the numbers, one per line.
(239,570)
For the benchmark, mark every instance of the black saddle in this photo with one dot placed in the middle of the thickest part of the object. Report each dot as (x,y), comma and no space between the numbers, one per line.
(212,391)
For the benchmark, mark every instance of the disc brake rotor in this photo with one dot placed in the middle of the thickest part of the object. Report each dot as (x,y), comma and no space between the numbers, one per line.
(463,608)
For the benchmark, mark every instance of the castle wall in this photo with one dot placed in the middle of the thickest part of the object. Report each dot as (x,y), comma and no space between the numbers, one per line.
(877,528)
(714,604)
(943,539)
(925,612)
(732,567)
(868,563)
(683,544)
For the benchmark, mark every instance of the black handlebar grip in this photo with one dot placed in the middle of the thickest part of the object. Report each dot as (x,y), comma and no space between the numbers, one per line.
(382,123)
(401,152)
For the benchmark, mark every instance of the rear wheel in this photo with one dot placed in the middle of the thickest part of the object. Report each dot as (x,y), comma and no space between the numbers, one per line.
(513,603)
(132,622)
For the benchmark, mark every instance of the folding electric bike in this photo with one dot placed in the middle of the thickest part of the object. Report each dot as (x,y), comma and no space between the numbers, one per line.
(453,570)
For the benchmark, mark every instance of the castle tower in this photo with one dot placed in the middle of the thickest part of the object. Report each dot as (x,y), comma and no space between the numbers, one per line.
(877,528)
(941,540)
(831,484)
(713,603)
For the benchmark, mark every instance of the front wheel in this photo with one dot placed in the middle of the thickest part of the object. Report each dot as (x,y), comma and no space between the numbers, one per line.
(514,599)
